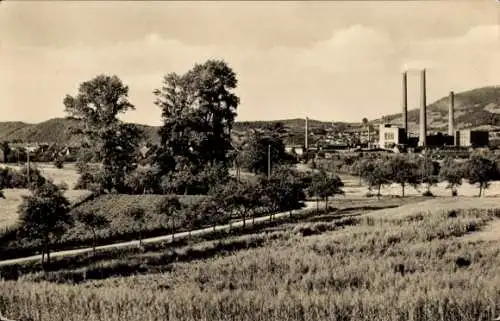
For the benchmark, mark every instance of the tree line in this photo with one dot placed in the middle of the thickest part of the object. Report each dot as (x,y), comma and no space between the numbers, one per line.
(422,171)
(198,109)
(45,213)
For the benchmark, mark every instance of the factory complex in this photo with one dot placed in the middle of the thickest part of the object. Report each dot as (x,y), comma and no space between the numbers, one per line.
(392,135)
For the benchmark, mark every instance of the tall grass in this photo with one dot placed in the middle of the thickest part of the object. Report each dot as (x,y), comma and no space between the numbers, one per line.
(417,268)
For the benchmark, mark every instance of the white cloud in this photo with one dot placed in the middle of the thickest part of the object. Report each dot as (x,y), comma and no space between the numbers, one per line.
(353,72)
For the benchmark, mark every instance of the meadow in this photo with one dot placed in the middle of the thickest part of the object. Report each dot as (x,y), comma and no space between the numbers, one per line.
(152,256)
(370,267)
(13,197)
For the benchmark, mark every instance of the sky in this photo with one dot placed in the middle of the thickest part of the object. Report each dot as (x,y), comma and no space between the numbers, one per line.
(332,61)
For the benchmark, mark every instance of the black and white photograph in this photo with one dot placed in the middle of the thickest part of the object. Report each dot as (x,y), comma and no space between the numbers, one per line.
(250,160)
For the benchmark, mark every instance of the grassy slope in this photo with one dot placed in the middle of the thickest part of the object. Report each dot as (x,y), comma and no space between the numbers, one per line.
(113,207)
(416,268)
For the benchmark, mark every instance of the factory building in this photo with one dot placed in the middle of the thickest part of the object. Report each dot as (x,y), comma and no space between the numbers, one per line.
(391,136)
(472,138)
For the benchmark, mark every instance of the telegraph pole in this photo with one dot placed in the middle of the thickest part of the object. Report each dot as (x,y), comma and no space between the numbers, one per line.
(28,155)
(269,161)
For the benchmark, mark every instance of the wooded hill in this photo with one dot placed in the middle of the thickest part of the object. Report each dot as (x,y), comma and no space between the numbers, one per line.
(477,108)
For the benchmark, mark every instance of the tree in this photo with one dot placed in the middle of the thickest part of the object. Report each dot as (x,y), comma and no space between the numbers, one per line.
(7,151)
(44,215)
(94,222)
(481,171)
(59,163)
(212,175)
(242,197)
(211,211)
(324,186)
(283,190)
(403,172)
(138,217)
(429,174)
(143,180)
(113,143)
(170,206)
(453,173)
(198,111)
(375,173)
(257,152)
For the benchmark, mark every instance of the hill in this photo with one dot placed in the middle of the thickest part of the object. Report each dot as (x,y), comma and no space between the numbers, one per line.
(477,108)
(56,130)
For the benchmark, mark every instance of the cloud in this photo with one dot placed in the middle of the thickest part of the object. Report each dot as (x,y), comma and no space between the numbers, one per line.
(479,46)
(354,71)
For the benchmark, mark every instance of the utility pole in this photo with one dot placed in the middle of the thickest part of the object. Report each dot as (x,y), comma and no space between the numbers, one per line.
(269,161)
(28,155)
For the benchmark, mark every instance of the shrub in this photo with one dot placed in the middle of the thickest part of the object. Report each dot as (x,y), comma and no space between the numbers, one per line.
(59,163)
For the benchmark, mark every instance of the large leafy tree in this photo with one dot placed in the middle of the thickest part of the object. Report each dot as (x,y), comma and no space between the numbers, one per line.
(375,173)
(325,185)
(143,180)
(452,172)
(137,216)
(480,170)
(403,171)
(170,206)
(97,105)
(198,111)
(283,190)
(94,222)
(429,173)
(261,147)
(44,215)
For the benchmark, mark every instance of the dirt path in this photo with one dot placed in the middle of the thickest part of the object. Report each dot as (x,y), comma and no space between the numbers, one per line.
(437,204)
(164,238)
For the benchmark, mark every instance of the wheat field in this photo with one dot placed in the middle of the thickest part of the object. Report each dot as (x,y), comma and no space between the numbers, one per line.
(415,267)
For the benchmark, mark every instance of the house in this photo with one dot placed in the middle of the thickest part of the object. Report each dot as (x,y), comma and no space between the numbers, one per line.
(295,149)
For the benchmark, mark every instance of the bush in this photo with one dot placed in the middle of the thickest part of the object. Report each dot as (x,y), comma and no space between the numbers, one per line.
(59,163)
(11,178)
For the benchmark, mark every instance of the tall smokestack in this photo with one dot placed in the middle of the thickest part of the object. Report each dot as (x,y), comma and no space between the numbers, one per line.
(405,104)
(423,106)
(451,114)
(306,133)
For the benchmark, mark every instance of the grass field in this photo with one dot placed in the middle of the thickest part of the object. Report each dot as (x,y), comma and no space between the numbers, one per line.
(9,205)
(13,198)
(111,259)
(67,174)
(114,207)
(412,267)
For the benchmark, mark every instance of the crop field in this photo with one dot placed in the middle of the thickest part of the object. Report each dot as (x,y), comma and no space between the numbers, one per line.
(153,256)
(412,267)
(67,174)
(13,198)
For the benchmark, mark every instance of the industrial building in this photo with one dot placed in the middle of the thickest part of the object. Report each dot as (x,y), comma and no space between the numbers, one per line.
(391,135)
(472,138)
